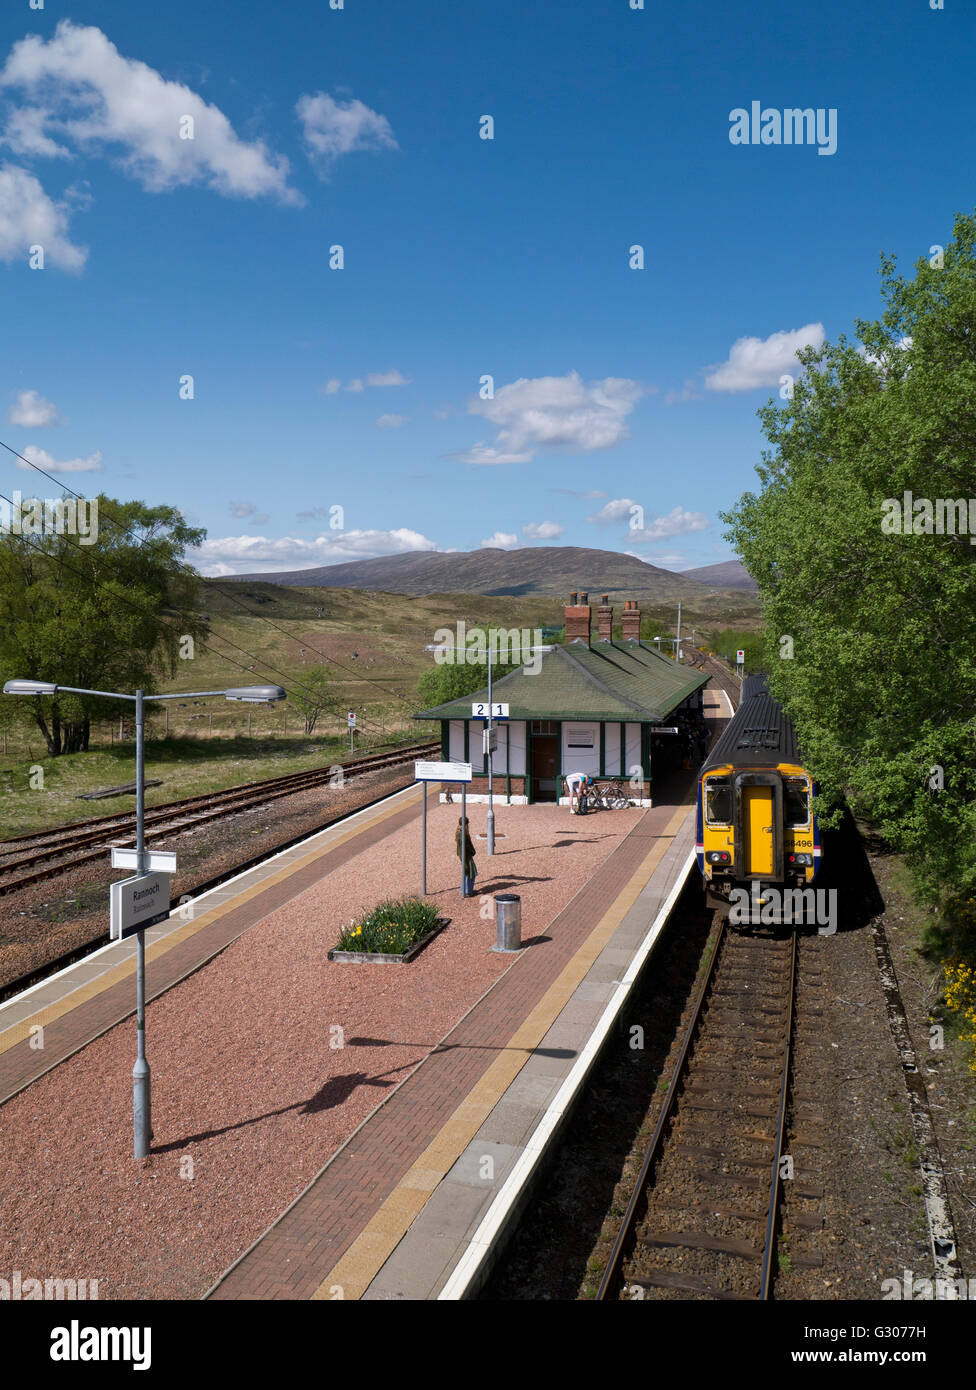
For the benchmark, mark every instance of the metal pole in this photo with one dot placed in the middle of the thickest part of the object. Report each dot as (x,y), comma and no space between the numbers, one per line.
(141,1121)
(424,854)
(490,826)
(464,829)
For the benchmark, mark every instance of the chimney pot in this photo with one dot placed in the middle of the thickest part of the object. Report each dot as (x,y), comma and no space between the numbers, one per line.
(604,618)
(631,621)
(578,620)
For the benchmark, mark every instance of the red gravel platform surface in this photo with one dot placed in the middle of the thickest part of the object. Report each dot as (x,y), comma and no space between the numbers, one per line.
(267,1059)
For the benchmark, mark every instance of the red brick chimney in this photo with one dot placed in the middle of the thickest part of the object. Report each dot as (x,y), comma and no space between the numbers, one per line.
(604,619)
(578,619)
(630,618)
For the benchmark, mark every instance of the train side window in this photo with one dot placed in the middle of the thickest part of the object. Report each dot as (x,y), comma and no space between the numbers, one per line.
(797,803)
(718,801)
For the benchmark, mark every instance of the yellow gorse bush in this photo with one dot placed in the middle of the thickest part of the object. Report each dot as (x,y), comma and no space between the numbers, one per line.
(960,997)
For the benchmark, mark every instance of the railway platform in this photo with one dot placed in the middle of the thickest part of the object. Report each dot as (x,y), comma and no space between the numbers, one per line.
(83,1001)
(427,1144)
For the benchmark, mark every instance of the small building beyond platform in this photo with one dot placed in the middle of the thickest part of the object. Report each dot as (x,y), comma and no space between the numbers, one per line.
(607,708)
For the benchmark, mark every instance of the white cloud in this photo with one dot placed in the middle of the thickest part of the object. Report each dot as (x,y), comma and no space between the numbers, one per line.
(617,510)
(678,522)
(390,378)
(33,412)
(28,217)
(882,362)
(392,422)
(553,412)
(243,554)
(25,134)
(755,362)
(542,530)
(590,496)
(243,509)
(688,392)
(334,128)
(42,459)
(501,540)
(668,562)
(359,384)
(92,98)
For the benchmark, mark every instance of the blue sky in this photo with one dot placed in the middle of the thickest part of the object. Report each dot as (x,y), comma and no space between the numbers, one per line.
(464,257)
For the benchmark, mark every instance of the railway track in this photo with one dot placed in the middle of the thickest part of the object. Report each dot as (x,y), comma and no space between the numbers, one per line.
(67,846)
(721,673)
(702,1220)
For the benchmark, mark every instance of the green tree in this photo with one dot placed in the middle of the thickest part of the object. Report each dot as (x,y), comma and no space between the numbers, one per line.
(314,694)
(453,680)
(99,615)
(871,635)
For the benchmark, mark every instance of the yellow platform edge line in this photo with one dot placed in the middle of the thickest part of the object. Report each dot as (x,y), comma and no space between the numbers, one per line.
(20,1031)
(361,1262)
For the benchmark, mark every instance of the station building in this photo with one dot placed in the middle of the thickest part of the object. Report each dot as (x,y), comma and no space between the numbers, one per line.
(610,709)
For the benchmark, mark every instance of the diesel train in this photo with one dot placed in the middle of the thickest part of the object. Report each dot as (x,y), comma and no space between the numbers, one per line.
(758,844)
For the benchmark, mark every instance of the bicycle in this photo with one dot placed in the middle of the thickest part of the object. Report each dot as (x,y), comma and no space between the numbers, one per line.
(608,797)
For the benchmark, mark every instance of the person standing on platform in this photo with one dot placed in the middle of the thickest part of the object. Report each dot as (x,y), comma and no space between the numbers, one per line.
(465,852)
(574,784)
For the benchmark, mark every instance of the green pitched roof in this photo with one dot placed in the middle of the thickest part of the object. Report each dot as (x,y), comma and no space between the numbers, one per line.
(605,681)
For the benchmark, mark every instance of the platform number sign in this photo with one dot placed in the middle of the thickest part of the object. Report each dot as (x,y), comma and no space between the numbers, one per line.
(481,709)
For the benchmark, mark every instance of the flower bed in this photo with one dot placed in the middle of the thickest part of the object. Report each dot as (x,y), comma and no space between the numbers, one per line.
(393,931)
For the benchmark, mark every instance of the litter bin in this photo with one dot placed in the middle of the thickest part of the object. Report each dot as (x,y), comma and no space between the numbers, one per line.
(508,922)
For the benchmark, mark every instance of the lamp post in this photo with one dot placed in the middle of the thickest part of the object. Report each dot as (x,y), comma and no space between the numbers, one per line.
(250,694)
(490,819)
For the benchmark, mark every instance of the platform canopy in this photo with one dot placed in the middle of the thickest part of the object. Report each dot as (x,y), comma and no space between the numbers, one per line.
(601,681)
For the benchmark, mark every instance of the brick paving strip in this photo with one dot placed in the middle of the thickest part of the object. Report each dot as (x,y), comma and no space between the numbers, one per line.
(75,1016)
(357,1203)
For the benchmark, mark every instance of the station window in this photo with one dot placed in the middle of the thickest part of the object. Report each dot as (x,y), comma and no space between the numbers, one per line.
(797,802)
(718,801)
(544,726)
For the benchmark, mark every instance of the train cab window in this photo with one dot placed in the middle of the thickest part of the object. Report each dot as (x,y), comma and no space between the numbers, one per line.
(718,801)
(797,802)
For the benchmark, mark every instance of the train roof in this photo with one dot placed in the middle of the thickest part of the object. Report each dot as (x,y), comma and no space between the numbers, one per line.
(759,734)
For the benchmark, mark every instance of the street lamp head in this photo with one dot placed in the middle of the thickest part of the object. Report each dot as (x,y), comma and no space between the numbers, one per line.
(29,688)
(256,694)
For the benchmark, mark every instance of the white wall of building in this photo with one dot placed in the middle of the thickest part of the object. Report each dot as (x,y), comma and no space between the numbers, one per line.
(632,743)
(612,749)
(456,741)
(581,748)
(516,747)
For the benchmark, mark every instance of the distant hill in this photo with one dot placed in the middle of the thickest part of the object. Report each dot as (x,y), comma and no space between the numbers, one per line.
(731,574)
(555,570)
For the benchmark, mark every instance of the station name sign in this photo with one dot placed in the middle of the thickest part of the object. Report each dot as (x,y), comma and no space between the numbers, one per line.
(137,903)
(442,772)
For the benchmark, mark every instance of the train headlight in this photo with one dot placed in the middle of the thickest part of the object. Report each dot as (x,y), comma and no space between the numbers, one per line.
(718,856)
(801,860)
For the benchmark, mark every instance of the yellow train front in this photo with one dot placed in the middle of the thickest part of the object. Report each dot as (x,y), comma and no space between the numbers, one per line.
(758,843)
